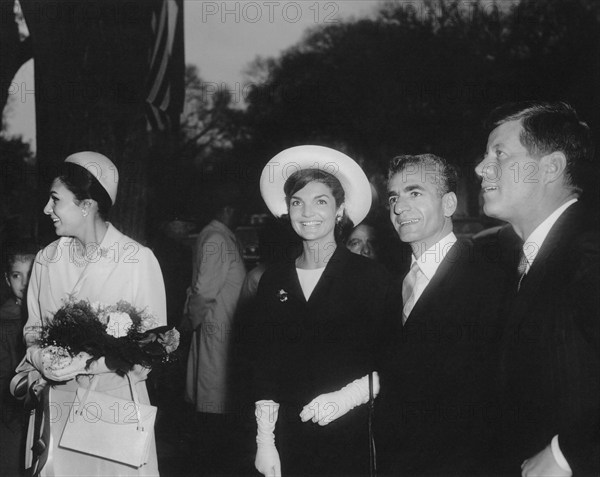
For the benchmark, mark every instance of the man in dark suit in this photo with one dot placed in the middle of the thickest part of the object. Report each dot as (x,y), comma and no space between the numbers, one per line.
(432,411)
(537,158)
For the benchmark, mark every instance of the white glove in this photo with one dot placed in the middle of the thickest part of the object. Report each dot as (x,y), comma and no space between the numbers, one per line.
(55,364)
(328,407)
(267,458)
(34,356)
(69,371)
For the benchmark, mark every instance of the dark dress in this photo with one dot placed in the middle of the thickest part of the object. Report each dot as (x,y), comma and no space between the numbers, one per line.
(305,349)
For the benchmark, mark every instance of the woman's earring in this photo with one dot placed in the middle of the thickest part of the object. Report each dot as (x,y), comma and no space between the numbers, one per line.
(338,219)
(84,212)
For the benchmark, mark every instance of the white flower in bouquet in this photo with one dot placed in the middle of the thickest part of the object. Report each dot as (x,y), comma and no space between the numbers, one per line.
(98,307)
(118,324)
(169,340)
(148,323)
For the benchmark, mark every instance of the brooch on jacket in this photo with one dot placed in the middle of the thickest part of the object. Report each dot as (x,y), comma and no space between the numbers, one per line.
(282,295)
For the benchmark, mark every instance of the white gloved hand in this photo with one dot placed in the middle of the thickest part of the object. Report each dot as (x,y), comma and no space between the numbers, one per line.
(267,458)
(328,407)
(55,364)
(69,371)
(34,356)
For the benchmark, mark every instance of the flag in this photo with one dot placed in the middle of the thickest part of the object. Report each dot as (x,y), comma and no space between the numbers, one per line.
(164,100)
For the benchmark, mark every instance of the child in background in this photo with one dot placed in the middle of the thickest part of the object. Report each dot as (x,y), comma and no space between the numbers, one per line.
(12,349)
(11,316)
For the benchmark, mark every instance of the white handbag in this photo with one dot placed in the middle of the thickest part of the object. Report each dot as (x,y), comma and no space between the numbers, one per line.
(109,427)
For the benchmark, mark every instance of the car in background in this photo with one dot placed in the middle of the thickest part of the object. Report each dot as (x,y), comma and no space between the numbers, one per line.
(248,235)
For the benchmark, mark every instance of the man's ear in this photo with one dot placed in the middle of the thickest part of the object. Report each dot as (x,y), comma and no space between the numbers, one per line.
(449,202)
(553,166)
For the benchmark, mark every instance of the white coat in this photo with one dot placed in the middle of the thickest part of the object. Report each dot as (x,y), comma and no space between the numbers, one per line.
(120,269)
(217,278)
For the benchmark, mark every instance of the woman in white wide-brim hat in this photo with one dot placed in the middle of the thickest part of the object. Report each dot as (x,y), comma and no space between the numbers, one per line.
(318,320)
(92,261)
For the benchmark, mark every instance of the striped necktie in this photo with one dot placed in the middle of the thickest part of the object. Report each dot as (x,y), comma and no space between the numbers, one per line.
(413,285)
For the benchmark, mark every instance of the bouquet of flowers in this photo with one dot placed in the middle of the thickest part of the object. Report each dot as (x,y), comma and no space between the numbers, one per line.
(122,334)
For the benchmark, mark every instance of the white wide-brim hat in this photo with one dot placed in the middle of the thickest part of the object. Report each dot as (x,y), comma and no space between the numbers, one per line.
(357,188)
(101,167)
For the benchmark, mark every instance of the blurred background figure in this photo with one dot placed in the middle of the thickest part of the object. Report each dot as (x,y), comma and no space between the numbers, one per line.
(217,277)
(13,314)
(374,238)
(276,242)
(363,241)
(172,248)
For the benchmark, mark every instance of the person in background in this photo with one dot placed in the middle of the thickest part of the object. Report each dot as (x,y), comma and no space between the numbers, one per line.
(435,377)
(317,321)
(537,159)
(363,241)
(91,261)
(12,318)
(212,298)
(12,315)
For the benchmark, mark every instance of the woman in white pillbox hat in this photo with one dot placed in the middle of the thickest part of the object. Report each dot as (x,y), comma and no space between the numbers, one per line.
(319,317)
(91,261)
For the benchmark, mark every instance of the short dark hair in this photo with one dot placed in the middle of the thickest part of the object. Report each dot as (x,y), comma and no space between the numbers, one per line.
(85,186)
(550,127)
(446,173)
(17,252)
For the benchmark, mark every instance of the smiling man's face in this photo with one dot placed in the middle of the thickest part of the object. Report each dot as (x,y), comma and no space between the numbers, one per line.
(419,213)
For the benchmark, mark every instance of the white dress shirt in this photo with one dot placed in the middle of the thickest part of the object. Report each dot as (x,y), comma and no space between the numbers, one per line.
(430,259)
(534,242)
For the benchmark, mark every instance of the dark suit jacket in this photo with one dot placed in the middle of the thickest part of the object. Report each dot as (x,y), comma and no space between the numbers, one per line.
(432,413)
(307,348)
(550,362)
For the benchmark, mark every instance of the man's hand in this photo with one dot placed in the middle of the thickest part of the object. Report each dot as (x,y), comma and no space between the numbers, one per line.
(543,464)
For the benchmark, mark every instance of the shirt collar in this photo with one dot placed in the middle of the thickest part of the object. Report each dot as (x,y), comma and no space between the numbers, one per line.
(430,259)
(534,242)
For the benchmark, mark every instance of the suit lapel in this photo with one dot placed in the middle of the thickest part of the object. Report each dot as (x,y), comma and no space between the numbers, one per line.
(290,282)
(552,250)
(442,279)
(334,269)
